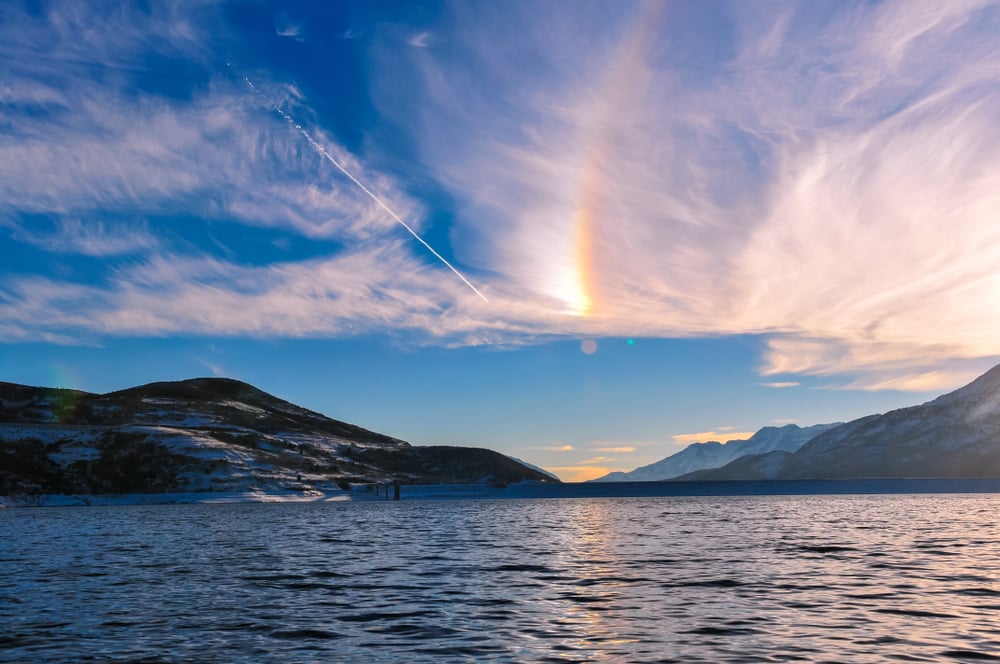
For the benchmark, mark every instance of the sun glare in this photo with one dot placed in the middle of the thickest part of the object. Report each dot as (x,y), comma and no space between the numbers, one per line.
(571,289)
(578,301)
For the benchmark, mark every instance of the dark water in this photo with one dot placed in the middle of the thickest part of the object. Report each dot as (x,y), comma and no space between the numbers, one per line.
(843,578)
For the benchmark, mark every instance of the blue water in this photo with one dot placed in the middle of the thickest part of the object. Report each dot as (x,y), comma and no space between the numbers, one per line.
(845,578)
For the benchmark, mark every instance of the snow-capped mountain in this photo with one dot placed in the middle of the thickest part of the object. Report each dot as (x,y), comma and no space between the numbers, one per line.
(713,454)
(209,434)
(955,435)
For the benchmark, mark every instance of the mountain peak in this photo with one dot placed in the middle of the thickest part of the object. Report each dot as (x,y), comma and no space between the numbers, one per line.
(195,388)
(987,385)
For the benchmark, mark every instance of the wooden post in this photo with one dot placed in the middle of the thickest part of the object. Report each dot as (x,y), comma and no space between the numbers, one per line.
(395,490)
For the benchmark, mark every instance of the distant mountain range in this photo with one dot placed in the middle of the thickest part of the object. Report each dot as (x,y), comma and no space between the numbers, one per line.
(713,454)
(956,435)
(210,434)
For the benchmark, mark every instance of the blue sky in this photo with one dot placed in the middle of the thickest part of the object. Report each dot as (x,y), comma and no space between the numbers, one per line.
(789,209)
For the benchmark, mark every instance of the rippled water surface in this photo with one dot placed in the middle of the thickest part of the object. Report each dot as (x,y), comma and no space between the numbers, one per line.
(756,579)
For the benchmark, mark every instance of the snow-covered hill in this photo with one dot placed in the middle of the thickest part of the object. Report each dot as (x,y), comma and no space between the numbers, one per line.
(700,456)
(209,434)
(955,435)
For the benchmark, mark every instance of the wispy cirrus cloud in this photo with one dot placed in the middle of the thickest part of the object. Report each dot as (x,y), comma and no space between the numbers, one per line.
(85,138)
(225,156)
(420,39)
(94,238)
(825,176)
(367,290)
(285,26)
(553,448)
(921,381)
(595,461)
(215,368)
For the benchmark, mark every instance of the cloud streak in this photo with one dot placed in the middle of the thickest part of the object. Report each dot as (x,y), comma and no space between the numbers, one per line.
(94,238)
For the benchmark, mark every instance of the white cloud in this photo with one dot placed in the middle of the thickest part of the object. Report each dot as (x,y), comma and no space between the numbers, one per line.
(284,26)
(227,148)
(828,181)
(94,238)
(595,461)
(215,368)
(220,152)
(834,186)
(368,290)
(926,381)
(420,39)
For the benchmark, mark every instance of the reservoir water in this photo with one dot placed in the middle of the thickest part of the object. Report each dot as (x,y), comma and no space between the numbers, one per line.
(838,578)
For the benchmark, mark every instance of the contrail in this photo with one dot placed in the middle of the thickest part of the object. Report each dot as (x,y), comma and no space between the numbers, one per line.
(326,155)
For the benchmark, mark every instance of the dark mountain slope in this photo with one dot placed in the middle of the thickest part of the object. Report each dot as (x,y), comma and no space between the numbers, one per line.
(209,434)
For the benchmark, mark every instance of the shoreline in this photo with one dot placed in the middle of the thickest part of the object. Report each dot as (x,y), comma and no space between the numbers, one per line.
(524,490)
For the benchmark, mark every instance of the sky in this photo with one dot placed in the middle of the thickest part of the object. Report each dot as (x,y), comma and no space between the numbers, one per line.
(583,233)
